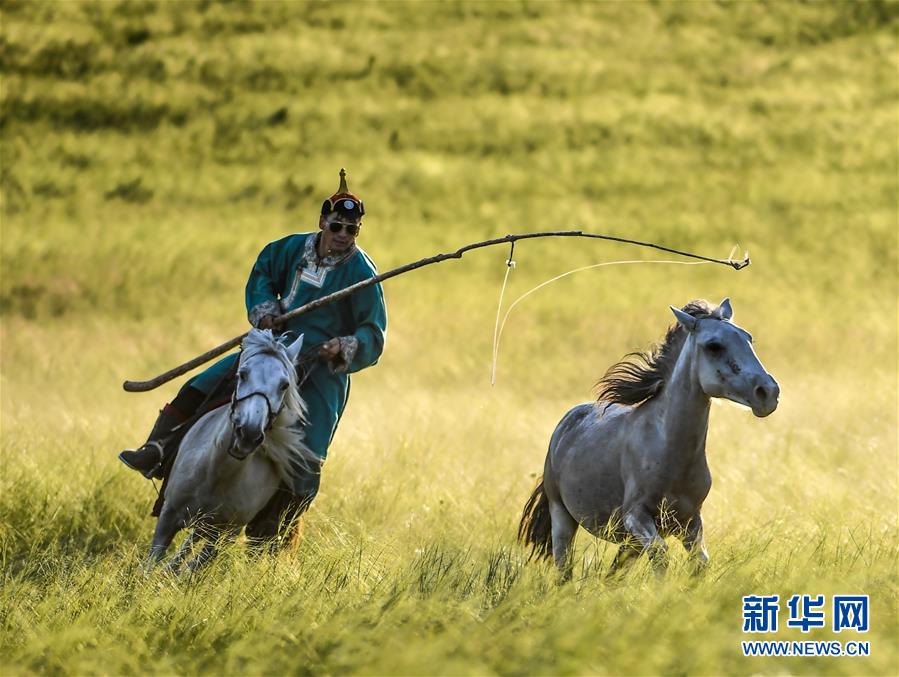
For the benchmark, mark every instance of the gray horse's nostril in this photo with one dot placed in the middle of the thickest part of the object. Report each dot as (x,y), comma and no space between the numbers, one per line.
(768,391)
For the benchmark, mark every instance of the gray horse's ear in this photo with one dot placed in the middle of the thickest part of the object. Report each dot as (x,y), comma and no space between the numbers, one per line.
(724,310)
(293,350)
(687,321)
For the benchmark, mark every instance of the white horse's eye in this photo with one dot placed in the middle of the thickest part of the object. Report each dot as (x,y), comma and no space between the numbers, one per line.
(714,347)
(284,385)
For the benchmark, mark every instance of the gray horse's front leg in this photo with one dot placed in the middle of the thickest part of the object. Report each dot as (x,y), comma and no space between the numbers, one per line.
(695,544)
(642,526)
(627,554)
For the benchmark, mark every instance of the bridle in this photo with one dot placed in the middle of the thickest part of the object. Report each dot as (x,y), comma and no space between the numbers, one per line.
(272,414)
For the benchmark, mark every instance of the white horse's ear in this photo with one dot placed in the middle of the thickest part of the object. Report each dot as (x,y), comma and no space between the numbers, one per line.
(724,310)
(293,350)
(687,321)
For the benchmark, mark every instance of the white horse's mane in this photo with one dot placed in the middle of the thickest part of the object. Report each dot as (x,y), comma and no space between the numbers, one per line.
(284,444)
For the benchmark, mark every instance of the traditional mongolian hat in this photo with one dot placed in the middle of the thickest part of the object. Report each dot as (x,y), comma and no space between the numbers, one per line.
(344,201)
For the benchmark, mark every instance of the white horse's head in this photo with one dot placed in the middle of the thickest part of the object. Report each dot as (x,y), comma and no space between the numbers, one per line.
(266,378)
(726,364)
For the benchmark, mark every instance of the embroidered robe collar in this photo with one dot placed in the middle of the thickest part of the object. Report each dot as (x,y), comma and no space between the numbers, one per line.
(311,259)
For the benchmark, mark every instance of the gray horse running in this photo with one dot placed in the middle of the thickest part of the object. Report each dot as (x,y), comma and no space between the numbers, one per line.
(233,459)
(631,468)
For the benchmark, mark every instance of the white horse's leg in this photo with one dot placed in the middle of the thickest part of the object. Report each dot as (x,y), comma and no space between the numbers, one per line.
(207,552)
(209,534)
(641,525)
(167,526)
(210,547)
(694,542)
(564,526)
(185,549)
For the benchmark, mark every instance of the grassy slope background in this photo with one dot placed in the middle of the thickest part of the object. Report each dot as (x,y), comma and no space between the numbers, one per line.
(149,150)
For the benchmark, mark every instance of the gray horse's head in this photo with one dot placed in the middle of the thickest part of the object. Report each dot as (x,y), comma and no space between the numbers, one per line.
(726,364)
(266,376)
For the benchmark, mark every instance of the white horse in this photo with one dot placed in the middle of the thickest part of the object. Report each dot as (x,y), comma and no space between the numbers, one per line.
(234,458)
(631,468)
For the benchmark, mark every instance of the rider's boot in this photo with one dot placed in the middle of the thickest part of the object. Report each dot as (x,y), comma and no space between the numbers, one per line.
(149,459)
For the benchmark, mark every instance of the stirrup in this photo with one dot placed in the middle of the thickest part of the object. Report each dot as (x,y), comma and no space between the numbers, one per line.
(151,473)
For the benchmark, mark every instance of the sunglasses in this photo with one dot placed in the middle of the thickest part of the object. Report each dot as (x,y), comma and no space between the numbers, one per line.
(352,229)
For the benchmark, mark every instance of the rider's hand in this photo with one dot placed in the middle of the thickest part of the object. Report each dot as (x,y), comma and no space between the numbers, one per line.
(267,322)
(330,350)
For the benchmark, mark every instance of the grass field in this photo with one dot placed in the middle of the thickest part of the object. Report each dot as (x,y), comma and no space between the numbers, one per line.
(150,149)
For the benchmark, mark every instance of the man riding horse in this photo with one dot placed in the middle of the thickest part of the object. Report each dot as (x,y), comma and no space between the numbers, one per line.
(341,338)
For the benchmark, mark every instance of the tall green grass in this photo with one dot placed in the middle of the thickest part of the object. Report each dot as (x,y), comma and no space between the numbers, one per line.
(150,149)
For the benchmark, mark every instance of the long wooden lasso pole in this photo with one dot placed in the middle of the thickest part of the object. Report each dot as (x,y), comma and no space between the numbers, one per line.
(143,386)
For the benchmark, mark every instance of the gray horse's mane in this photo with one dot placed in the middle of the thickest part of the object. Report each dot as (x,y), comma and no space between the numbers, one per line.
(284,444)
(641,376)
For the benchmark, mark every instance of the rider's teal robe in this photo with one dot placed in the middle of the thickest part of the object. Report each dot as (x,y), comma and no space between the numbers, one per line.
(288,274)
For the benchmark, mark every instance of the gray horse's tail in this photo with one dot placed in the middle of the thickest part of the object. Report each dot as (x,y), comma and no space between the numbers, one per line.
(535,529)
